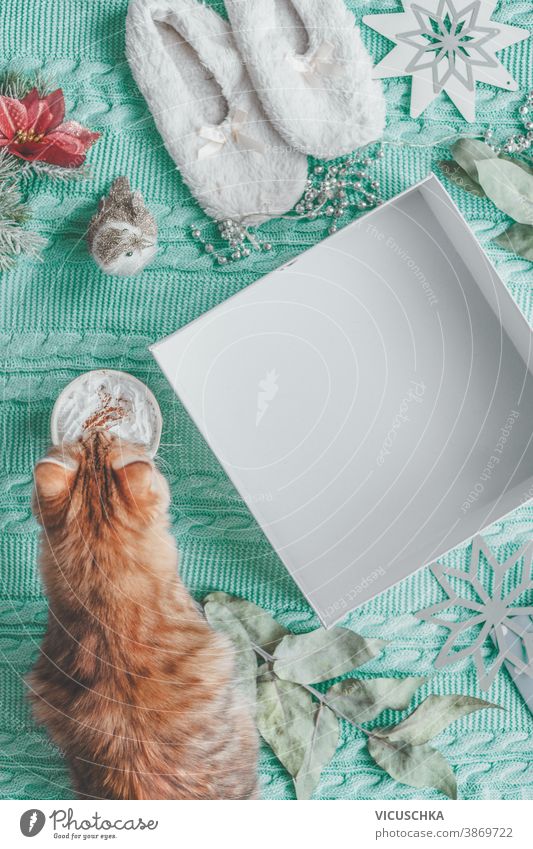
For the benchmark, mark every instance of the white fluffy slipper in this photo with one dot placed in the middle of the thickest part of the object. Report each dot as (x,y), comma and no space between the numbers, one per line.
(187,66)
(311,71)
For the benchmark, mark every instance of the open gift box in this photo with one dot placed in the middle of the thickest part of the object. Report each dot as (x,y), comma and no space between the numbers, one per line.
(372,400)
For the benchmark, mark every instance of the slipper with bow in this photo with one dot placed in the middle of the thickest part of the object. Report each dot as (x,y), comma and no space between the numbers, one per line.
(311,72)
(186,64)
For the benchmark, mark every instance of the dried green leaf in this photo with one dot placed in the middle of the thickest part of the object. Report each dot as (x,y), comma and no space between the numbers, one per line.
(262,629)
(320,750)
(509,187)
(321,655)
(286,720)
(517,238)
(431,717)
(221,619)
(361,700)
(458,175)
(468,153)
(519,162)
(418,766)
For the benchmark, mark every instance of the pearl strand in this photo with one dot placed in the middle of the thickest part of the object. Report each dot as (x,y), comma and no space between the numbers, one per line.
(237,239)
(516,143)
(332,192)
(335,190)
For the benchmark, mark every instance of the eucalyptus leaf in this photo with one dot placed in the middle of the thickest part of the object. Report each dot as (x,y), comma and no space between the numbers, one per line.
(286,720)
(261,627)
(458,175)
(361,700)
(519,162)
(509,187)
(418,766)
(320,750)
(431,717)
(221,619)
(517,238)
(321,655)
(468,153)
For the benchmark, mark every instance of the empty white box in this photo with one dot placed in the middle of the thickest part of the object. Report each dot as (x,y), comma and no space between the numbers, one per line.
(372,400)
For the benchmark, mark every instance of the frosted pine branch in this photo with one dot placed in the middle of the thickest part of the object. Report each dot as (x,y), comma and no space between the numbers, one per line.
(14,241)
(55,172)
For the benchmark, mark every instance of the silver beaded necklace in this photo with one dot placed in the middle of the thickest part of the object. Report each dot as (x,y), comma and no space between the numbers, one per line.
(516,143)
(333,190)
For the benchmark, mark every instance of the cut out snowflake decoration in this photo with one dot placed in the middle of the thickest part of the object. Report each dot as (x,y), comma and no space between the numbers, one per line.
(446,45)
(498,611)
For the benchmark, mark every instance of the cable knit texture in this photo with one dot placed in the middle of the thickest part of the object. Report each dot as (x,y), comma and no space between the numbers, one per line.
(63,317)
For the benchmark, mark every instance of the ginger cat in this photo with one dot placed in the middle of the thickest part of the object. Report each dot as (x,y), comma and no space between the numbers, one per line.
(132,683)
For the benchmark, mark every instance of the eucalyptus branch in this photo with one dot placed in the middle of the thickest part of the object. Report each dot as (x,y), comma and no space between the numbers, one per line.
(304,739)
(269,658)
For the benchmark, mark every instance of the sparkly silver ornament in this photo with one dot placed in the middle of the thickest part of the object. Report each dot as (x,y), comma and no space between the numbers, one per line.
(122,235)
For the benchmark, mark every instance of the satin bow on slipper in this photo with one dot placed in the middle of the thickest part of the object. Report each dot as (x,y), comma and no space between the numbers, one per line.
(320,62)
(245,187)
(216,137)
(321,100)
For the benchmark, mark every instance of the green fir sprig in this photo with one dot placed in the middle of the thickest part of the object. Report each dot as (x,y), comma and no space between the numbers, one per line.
(17,85)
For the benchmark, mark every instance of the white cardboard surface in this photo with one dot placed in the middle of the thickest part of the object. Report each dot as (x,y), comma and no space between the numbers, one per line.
(372,400)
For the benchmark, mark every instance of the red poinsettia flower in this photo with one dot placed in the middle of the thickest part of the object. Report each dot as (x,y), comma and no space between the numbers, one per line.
(32,129)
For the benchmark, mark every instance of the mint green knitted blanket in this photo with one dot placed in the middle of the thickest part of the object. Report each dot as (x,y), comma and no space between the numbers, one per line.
(62,317)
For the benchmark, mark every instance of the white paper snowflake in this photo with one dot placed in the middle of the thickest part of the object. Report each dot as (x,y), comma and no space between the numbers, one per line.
(497,611)
(446,46)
